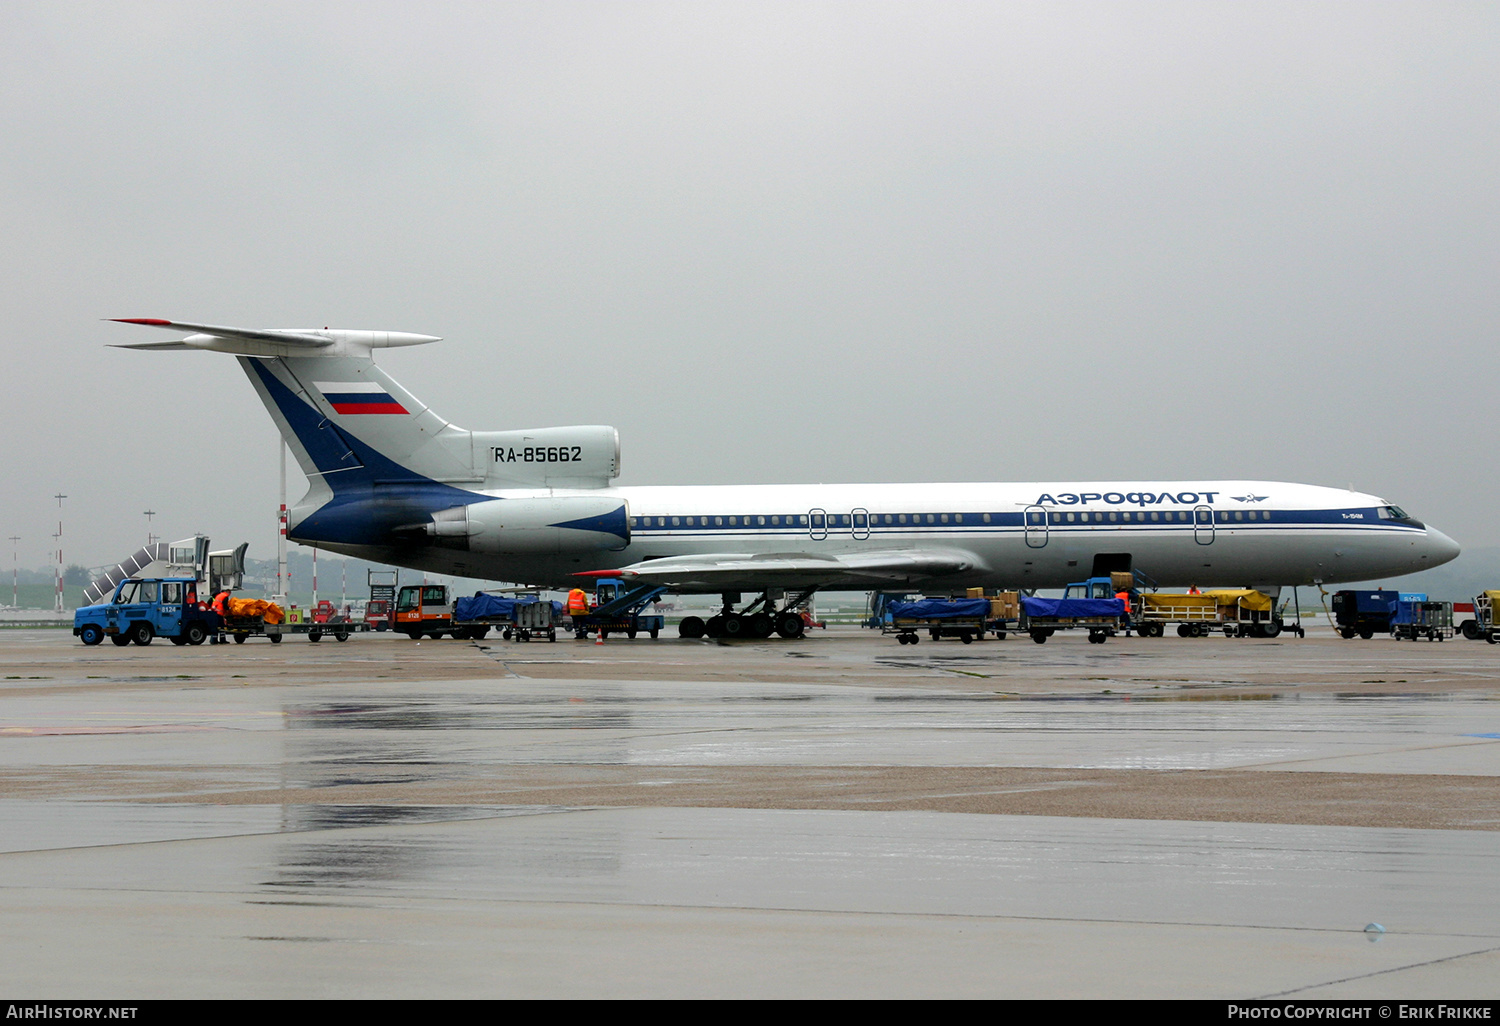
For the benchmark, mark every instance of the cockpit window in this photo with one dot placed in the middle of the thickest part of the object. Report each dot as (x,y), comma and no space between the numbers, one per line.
(1393,513)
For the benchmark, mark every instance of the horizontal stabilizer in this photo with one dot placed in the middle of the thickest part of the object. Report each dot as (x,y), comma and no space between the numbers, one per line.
(269,343)
(152,345)
(296,338)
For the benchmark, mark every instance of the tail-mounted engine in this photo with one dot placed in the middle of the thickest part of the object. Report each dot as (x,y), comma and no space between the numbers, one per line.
(536,526)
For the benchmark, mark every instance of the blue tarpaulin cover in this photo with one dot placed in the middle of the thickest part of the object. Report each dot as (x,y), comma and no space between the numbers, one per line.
(484,607)
(941,609)
(1068,608)
(493,607)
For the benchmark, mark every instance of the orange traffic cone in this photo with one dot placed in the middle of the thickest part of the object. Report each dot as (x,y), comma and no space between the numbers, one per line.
(599,639)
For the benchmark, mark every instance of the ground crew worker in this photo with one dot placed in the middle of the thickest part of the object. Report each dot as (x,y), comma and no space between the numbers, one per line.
(578,602)
(1124,596)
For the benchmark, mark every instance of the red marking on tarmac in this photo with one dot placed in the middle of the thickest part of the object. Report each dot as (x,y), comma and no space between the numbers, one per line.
(54,731)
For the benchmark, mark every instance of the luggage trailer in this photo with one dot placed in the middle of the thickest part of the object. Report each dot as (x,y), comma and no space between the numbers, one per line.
(1237,613)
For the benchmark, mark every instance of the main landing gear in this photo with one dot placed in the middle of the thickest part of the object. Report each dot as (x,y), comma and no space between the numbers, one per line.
(760,619)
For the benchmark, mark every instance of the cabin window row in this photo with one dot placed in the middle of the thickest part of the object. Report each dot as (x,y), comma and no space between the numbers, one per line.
(899,519)
(1152,517)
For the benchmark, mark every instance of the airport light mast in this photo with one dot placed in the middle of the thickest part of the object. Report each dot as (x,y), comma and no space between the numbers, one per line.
(150,538)
(57,604)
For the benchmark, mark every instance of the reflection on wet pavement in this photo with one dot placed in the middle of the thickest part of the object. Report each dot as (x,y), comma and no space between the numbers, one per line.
(1140,825)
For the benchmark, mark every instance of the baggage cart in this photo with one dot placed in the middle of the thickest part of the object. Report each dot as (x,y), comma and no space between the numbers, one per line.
(1102,618)
(965,619)
(240,629)
(1194,615)
(537,617)
(1417,618)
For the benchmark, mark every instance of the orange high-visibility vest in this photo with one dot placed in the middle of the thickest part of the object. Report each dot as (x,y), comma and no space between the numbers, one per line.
(578,602)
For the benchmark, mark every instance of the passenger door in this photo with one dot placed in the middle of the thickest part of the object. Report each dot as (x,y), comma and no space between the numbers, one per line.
(1036,526)
(1203,525)
(817,524)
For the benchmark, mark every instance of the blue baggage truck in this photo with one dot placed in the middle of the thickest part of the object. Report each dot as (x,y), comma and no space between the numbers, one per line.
(1365,613)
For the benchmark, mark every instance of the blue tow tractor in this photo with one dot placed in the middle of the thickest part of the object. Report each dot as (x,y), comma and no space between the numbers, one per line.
(141,610)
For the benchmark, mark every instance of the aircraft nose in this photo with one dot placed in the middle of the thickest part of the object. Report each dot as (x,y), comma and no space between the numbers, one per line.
(1439,548)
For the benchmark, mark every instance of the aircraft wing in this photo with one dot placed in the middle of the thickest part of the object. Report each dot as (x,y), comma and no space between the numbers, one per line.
(753,571)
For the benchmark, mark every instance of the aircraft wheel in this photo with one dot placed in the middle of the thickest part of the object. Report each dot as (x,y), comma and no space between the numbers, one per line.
(761,626)
(141,633)
(91,634)
(733,626)
(790,626)
(714,628)
(120,640)
(691,627)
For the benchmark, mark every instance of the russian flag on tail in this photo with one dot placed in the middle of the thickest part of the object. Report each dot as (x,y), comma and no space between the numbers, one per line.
(359,397)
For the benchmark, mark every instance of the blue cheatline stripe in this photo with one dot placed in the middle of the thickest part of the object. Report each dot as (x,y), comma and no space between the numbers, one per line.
(1004,523)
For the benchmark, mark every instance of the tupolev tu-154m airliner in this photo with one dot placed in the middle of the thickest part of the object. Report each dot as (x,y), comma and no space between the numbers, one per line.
(393,482)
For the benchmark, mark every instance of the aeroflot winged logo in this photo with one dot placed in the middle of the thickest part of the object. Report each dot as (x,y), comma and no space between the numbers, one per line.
(358,397)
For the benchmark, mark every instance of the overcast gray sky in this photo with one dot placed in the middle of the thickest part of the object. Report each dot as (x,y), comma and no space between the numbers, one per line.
(768,241)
